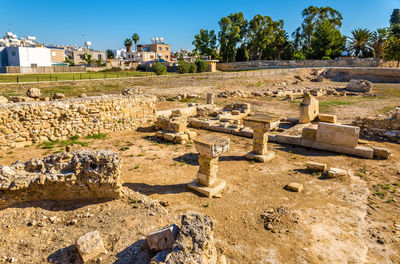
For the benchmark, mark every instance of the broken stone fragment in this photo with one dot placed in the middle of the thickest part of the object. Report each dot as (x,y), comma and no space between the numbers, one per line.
(295,187)
(90,246)
(162,239)
(381,152)
(315,166)
(336,173)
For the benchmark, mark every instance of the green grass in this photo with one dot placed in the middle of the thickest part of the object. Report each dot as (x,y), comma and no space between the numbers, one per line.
(97,136)
(334,103)
(62,143)
(69,76)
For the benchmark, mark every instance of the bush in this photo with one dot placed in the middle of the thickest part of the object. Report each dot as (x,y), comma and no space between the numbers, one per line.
(183,66)
(159,68)
(202,66)
(113,69)
(326,58)
(192,68)
(298,55)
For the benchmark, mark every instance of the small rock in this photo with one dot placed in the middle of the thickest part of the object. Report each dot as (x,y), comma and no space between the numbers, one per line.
(335,173)
(57,96)
(33,93)
(217,195)
(163,238)
(295,187)
(90,246)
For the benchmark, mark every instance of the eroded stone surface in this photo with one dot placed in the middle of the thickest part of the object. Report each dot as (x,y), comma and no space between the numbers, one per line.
(90,246)
(77,175)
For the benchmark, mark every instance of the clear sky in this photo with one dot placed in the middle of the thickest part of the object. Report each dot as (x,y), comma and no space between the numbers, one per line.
(107,23)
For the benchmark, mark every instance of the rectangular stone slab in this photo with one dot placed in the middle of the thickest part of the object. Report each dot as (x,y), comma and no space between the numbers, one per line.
(340,135)
(361,151)
(208,191)
(262,121)
(211,146)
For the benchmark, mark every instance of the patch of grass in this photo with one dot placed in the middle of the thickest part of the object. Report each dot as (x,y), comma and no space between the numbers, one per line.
(380,194)
(141,155)
(206,205)
(97,136)
(124,148)
(334,103)
(187,100)
(62,143)
(10,152)
(137,167)
(389,201)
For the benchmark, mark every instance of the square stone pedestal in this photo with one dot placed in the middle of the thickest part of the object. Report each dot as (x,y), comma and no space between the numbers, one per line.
(208,191)
(260,123)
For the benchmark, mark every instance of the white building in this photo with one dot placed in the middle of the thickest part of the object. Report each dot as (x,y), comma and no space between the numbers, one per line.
(25,56)
(119,54)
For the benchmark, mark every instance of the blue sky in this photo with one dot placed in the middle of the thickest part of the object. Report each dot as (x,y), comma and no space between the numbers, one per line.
(107,23)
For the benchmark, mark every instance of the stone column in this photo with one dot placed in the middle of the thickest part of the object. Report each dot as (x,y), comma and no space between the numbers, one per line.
(261,124)
(309,109)
(210,98)
(209,148)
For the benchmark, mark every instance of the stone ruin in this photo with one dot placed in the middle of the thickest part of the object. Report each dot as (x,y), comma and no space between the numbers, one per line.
(382,127)
(261,124)
(309,111)
(357,86)
(209,148)
(80,175)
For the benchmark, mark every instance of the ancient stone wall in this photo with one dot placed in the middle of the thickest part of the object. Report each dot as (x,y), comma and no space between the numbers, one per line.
(251,65)
(382,127)
(28,122)
(79,175)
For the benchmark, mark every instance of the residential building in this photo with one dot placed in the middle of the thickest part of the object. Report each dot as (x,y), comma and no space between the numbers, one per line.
(119,54)
(148,52)
(57,54)
(25,56)
(77,56)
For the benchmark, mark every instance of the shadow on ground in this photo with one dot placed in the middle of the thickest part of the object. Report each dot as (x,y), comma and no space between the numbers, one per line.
(159,189)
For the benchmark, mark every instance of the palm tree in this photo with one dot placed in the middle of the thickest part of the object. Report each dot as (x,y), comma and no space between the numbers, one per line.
(135,38)
(360,43)
(88,59)
(378,40)
(128,44)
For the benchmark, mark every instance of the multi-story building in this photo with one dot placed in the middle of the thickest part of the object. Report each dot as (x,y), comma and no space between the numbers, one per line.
(25,56)
(148,52)
(119,54)
(77,56)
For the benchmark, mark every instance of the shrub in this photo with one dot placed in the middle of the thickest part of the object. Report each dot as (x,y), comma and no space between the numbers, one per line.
(299,55)
(202,66)
(183,66)
(159,68)
(326,58)
(192,68)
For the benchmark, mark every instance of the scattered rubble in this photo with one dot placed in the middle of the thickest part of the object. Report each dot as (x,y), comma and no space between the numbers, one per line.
(363,86)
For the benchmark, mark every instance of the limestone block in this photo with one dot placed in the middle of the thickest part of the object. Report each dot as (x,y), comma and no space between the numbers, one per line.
(90,246)
(288,139)
(3,100)
(162,239)
(210,98)
(191,134)
(381,152)
(260,121)
(260,149)
(362,151)
(341,135)
(295,187)
(211,146)
(327,118)
(196,123)
(315,166)
(359,86)
(309,109)
(33,93)
(208,166)
(309,133)
(169,136)
(336,173)
(181,138)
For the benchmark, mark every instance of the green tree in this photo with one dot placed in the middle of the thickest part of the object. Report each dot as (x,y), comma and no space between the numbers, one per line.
(205,43)
(233,29)
(128,44)
(192,67)
(392,49)
(183,66)
(109,54)
(312,17)
(378,40)
(159,68)
(395,17)
(260,35)
(242,53)
(88,59)
(99,62)
(327,41)
(360,43)
(202,66)
(135,38)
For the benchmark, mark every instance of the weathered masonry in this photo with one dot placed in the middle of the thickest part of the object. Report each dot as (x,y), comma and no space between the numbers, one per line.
(28,122)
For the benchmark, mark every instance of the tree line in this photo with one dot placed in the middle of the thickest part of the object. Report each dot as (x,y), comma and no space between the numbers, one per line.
(318,37)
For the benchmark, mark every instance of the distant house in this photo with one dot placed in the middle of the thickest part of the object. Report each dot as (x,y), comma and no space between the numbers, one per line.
(79,55)
(119,54)
(25,56)
(57,54)
(157,50)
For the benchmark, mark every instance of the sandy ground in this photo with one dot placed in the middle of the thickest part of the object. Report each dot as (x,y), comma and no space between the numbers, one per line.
(347,220)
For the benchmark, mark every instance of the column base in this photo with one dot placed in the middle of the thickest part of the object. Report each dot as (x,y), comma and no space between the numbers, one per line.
(208,191)
(261,158)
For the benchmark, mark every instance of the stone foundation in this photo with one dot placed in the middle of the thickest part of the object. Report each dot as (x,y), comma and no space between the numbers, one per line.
(29,122)
(80,175)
